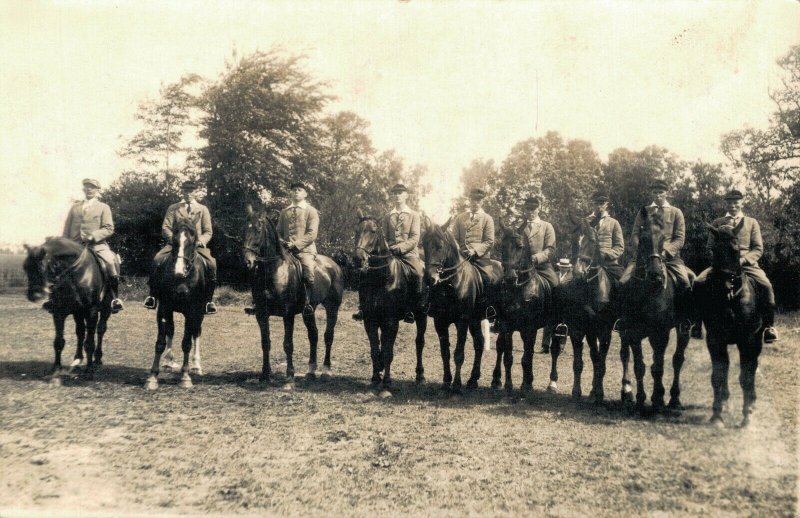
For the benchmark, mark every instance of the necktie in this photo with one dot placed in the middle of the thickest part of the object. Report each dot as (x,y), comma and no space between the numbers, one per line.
(189,208)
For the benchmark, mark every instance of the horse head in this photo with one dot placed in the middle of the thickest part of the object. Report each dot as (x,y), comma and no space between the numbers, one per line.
(514,253)
(441,252)
(370,241)
(726,263)
(35,266)
(648,251)
(260,238)
(184,242)
(588,249)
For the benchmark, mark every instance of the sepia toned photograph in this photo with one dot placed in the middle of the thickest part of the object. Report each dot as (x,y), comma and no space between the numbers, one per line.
(414,258)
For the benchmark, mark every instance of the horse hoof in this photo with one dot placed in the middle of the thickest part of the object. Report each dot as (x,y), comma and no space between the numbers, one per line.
(717,422)
(576,394)
(55,381)
(151,383)
(675,404)
(384,394)
(75,363)
(746,422)
(420,379)
(186,382)
(495,384)
(598,398)
(445,386)
(288,386)
(326,372)
(265,381)
(311,376)
(196,371)
(472,384)
(552,387)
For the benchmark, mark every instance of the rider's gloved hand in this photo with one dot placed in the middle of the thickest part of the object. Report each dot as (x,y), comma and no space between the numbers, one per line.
(395,250)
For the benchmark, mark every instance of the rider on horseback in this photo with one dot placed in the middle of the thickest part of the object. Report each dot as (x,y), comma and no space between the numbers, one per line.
(675,234)
(189,209)
(401,227)
(750,249)
(89,222)
(609,236)
(542,239)
(474,232)
(297,227)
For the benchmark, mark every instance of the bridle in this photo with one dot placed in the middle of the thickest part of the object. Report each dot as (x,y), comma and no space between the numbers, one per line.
(371,255)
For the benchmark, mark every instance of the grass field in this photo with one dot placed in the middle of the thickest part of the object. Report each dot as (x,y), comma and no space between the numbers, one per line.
(230,445)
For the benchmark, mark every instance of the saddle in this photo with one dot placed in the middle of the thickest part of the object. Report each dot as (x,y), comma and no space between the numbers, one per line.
(102,264)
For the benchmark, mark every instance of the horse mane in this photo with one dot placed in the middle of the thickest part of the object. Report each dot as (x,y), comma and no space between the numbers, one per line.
(62,246)
(437,232)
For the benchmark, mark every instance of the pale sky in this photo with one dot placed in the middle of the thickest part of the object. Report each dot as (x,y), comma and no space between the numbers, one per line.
(441,83)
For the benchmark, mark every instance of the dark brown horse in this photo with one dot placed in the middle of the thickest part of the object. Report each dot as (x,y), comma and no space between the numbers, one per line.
(387,292)
(585,306)
(454,285)
(180,286)
(728,303)
(276,283)
(73,276)
(648,311)
(526,305)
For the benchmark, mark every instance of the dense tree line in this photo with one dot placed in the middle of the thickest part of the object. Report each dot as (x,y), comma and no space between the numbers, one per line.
(262,123)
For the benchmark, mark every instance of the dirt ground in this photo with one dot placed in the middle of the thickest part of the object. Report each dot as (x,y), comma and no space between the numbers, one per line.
(231,446)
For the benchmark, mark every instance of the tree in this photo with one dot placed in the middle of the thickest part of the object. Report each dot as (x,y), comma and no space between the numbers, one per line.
(478,174)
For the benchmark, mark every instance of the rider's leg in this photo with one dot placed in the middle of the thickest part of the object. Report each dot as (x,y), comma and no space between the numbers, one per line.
(697,290)
(161,256)
(307,262)
(767,295)
(211,280)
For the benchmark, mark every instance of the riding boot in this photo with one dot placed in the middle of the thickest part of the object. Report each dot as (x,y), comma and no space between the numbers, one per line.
(48,305)
(547,339)
(770,335)
(211,285)
(308,286)
(113,286)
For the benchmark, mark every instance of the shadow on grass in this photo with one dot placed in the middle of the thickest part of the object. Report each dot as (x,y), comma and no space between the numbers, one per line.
(404,392)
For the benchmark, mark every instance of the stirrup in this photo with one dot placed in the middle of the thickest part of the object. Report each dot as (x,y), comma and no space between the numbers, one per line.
(409,317)
(358,315)
(308,310)
(491,314)
(150,302)
(249,310)
(615,327)
(211,308)
(48,306)
(561,331)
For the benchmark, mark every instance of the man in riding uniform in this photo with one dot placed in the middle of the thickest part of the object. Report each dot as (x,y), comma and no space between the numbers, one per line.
(297,227)
(401,228)
(189,209)
(609,236)
(542,240)
(675,234)
(89,223)
(751,247)
(564,271)
(474,233)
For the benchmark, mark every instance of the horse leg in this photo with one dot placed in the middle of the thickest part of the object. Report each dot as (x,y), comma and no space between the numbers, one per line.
(626,392)
(91,328)
(102,326)
(186,347)
(498,362)
(458,356)
(58,347)
(371,328)
(604,343)
(331,316)
(388,337)
(508,360)
(638,371)
(162,318)
(168,363)
(719,378)
(80,334)
(528,343)
(577,365)
(748,360)
(443,332)
(195,366)
(310,322)
(555,351)
(677,364)
(478,343)
(659,343)
(422,325)
(263,326)
(288,349)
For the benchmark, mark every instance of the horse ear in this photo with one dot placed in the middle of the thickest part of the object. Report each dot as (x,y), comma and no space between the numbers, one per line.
(26,247)
(360,213)
(712,229)
(447,223)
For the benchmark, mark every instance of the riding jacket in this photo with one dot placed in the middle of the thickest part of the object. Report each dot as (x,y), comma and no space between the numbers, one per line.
(475,231)
(609,236)
(299,223)
(542,240)
(674,228)
(402,229)
(195,212)
(751,246)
